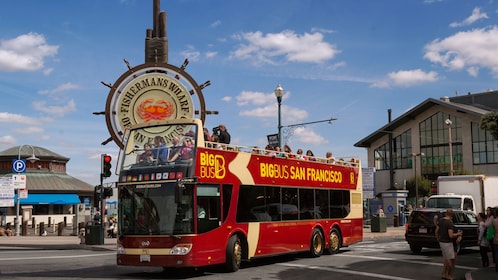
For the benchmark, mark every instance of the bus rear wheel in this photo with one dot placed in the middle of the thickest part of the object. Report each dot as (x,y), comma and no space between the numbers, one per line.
(316,248)
(334,242)
(234,254)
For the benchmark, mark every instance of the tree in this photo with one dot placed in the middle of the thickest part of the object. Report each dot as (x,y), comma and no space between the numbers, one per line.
(489,122)
(424,188)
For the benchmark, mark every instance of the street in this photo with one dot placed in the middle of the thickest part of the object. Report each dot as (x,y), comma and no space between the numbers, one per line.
(387,258)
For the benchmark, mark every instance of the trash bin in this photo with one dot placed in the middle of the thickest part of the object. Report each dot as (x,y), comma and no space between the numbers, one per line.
(378,224)
(396,220)
(93,234)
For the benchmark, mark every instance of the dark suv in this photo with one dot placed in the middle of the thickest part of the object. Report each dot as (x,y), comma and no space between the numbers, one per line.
(420,228)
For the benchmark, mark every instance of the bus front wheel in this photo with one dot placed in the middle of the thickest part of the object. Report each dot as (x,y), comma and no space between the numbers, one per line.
(234,254)
(334,242)
(316,248)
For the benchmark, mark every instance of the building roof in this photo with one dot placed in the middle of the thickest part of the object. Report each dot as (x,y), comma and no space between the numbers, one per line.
(26,151)
(469,104)
(45,181)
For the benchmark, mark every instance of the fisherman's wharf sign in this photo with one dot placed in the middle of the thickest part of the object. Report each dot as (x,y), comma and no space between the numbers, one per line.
(152,93)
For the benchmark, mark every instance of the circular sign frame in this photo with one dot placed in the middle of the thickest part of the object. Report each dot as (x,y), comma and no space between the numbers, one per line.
(152,91)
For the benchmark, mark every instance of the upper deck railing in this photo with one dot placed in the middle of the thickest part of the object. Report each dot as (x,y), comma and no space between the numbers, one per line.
(343,161)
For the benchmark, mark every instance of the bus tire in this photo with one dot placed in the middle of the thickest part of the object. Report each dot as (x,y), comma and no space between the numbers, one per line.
(233,254)
(334,242)
(317,243)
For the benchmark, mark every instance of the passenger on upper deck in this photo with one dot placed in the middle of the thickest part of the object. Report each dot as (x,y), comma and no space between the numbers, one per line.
(288,152)
(207,136)
(270,151)
(175,150)
(146,156)
(310,155)
(329,157)
(299,154)
(224,136)
(160,150)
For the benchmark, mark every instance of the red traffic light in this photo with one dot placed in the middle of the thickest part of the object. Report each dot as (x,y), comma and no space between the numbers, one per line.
(107,159)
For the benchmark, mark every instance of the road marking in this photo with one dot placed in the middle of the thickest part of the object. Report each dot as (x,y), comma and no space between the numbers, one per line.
(405,261)
(347,271)
(56,257)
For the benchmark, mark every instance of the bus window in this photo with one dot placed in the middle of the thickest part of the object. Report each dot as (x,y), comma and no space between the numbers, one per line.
(307,205)
(289,208)
(227,198)
(273,199)
(339,203)
(251,203)
(322,202)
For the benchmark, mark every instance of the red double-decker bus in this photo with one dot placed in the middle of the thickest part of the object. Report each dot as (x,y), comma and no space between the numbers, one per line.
(185,202)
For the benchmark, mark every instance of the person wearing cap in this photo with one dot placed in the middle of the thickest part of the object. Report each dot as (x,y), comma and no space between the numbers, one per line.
(224,136)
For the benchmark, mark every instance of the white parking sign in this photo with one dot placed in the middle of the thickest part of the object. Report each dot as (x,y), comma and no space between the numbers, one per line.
(19,166)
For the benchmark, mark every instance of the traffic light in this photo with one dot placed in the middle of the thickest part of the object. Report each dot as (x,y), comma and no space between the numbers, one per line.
(106,166)
(107,192)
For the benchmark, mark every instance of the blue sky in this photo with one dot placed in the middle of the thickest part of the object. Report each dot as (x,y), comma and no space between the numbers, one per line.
(349,60)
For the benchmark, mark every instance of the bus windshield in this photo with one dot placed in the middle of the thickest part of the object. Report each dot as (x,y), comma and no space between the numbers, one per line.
(162,145)
(159,210)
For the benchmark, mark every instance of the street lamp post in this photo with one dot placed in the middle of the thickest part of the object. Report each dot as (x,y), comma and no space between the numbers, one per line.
(448,122)
(415,155)
(32,159)
(279,93)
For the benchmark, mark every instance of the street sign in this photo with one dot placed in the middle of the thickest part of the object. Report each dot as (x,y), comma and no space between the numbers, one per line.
(6,192)
(19,181)
(272,139)
(23,193)
(18,166)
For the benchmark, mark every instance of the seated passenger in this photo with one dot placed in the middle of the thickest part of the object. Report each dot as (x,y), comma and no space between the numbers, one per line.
(310,155)
(329,157)
(270,151)
(299,155)
(187,149)
(288,152)
(160,152)
(146,156)
(175,149)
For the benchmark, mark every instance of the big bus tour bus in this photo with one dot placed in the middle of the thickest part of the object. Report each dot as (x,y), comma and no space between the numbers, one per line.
(186,202)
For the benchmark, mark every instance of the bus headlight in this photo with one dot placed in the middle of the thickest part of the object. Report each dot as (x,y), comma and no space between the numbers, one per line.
(181,249)
(120,250)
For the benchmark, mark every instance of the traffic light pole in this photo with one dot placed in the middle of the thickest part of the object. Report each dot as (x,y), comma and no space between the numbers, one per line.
(101,206)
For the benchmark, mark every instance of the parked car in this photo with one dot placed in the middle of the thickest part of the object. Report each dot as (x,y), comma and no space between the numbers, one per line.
(420,228)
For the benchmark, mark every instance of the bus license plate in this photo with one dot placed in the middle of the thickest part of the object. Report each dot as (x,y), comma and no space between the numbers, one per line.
(422,230)
(144,258)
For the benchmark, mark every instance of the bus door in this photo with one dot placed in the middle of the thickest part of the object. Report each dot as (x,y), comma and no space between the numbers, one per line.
(208,207)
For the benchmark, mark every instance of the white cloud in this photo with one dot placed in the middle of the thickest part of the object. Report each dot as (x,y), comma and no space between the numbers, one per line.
(476,15)
(264,48)
(16,118)
(55,110)
(26,52)
(255,98)
(191,53)
(61,88)
(29,130)
(211,54)
(405,78)
(307,136)
(473,48)
(216,24)
(7,140)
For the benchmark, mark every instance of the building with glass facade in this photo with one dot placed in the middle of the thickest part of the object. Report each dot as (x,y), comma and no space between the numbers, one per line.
(437,137)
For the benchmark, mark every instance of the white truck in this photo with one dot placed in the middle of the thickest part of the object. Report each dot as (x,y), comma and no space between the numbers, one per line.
(468,192)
